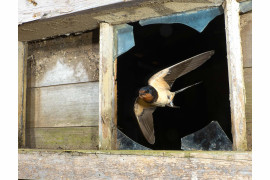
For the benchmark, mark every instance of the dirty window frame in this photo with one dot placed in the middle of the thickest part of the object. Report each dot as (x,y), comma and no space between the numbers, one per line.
(108,94)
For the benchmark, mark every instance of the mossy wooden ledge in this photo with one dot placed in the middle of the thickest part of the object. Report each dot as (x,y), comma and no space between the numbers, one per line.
(84,164)
(63,138)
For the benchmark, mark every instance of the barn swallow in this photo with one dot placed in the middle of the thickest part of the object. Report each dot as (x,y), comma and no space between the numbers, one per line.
(158,94)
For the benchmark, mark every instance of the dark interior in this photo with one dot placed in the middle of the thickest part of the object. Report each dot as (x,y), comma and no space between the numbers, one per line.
(160,46)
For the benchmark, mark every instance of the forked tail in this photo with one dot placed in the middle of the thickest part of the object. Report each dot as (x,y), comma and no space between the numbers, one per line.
(176,92)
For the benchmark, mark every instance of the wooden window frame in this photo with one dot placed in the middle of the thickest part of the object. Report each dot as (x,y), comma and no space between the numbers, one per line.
(108,84)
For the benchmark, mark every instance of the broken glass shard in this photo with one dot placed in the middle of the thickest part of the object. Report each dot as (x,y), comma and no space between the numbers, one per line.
(211,137)
(125,143)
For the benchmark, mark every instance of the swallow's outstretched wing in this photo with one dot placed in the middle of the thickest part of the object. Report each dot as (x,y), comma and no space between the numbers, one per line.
(166,77)
(144,115)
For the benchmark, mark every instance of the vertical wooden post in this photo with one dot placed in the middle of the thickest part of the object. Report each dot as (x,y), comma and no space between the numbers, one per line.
(22,85)
(236,79)
(107,122)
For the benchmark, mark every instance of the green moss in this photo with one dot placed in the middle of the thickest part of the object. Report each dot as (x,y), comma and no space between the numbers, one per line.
(64,138)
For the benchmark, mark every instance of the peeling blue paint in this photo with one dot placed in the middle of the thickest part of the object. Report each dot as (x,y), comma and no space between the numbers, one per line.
(245,6)
(197,20)
(125,38)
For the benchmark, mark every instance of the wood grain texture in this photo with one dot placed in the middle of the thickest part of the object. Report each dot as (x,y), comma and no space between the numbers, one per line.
(134,165)
(248,86)
(32,10)
(79,21)
(246,38)
(63,138)
(246,41)
(64,60)
(22,86)
(236,74)
(249,136)
(107,122)
(63,105)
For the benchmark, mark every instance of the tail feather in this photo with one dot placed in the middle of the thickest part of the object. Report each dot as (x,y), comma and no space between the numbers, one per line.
(176,92)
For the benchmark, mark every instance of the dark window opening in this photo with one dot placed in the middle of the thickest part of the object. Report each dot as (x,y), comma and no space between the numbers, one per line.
(160,46)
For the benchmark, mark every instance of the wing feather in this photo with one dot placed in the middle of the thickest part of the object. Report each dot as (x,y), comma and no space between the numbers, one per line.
(144,115)
(166,77)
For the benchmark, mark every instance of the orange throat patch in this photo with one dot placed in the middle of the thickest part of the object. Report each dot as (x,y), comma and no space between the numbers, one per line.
(147,97)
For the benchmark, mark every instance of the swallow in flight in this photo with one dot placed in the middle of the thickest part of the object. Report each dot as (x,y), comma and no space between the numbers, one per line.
(158,94)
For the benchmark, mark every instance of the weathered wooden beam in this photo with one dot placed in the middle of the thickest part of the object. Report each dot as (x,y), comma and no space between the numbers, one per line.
(51,20)
(235,72)
(34,10)
(107,122)
(22,86)
(42,164)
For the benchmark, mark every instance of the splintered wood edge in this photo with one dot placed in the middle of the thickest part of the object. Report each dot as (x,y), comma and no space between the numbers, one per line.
(236,75)
(22,85)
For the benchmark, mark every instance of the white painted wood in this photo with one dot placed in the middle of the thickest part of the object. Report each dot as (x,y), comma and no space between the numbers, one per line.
(30,10)
(236,79)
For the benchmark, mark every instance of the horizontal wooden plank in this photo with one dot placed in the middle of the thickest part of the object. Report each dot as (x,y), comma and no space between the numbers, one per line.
(128,11)
(134,165)
(64,60)
(63,105)
(246,38)
(62,138)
